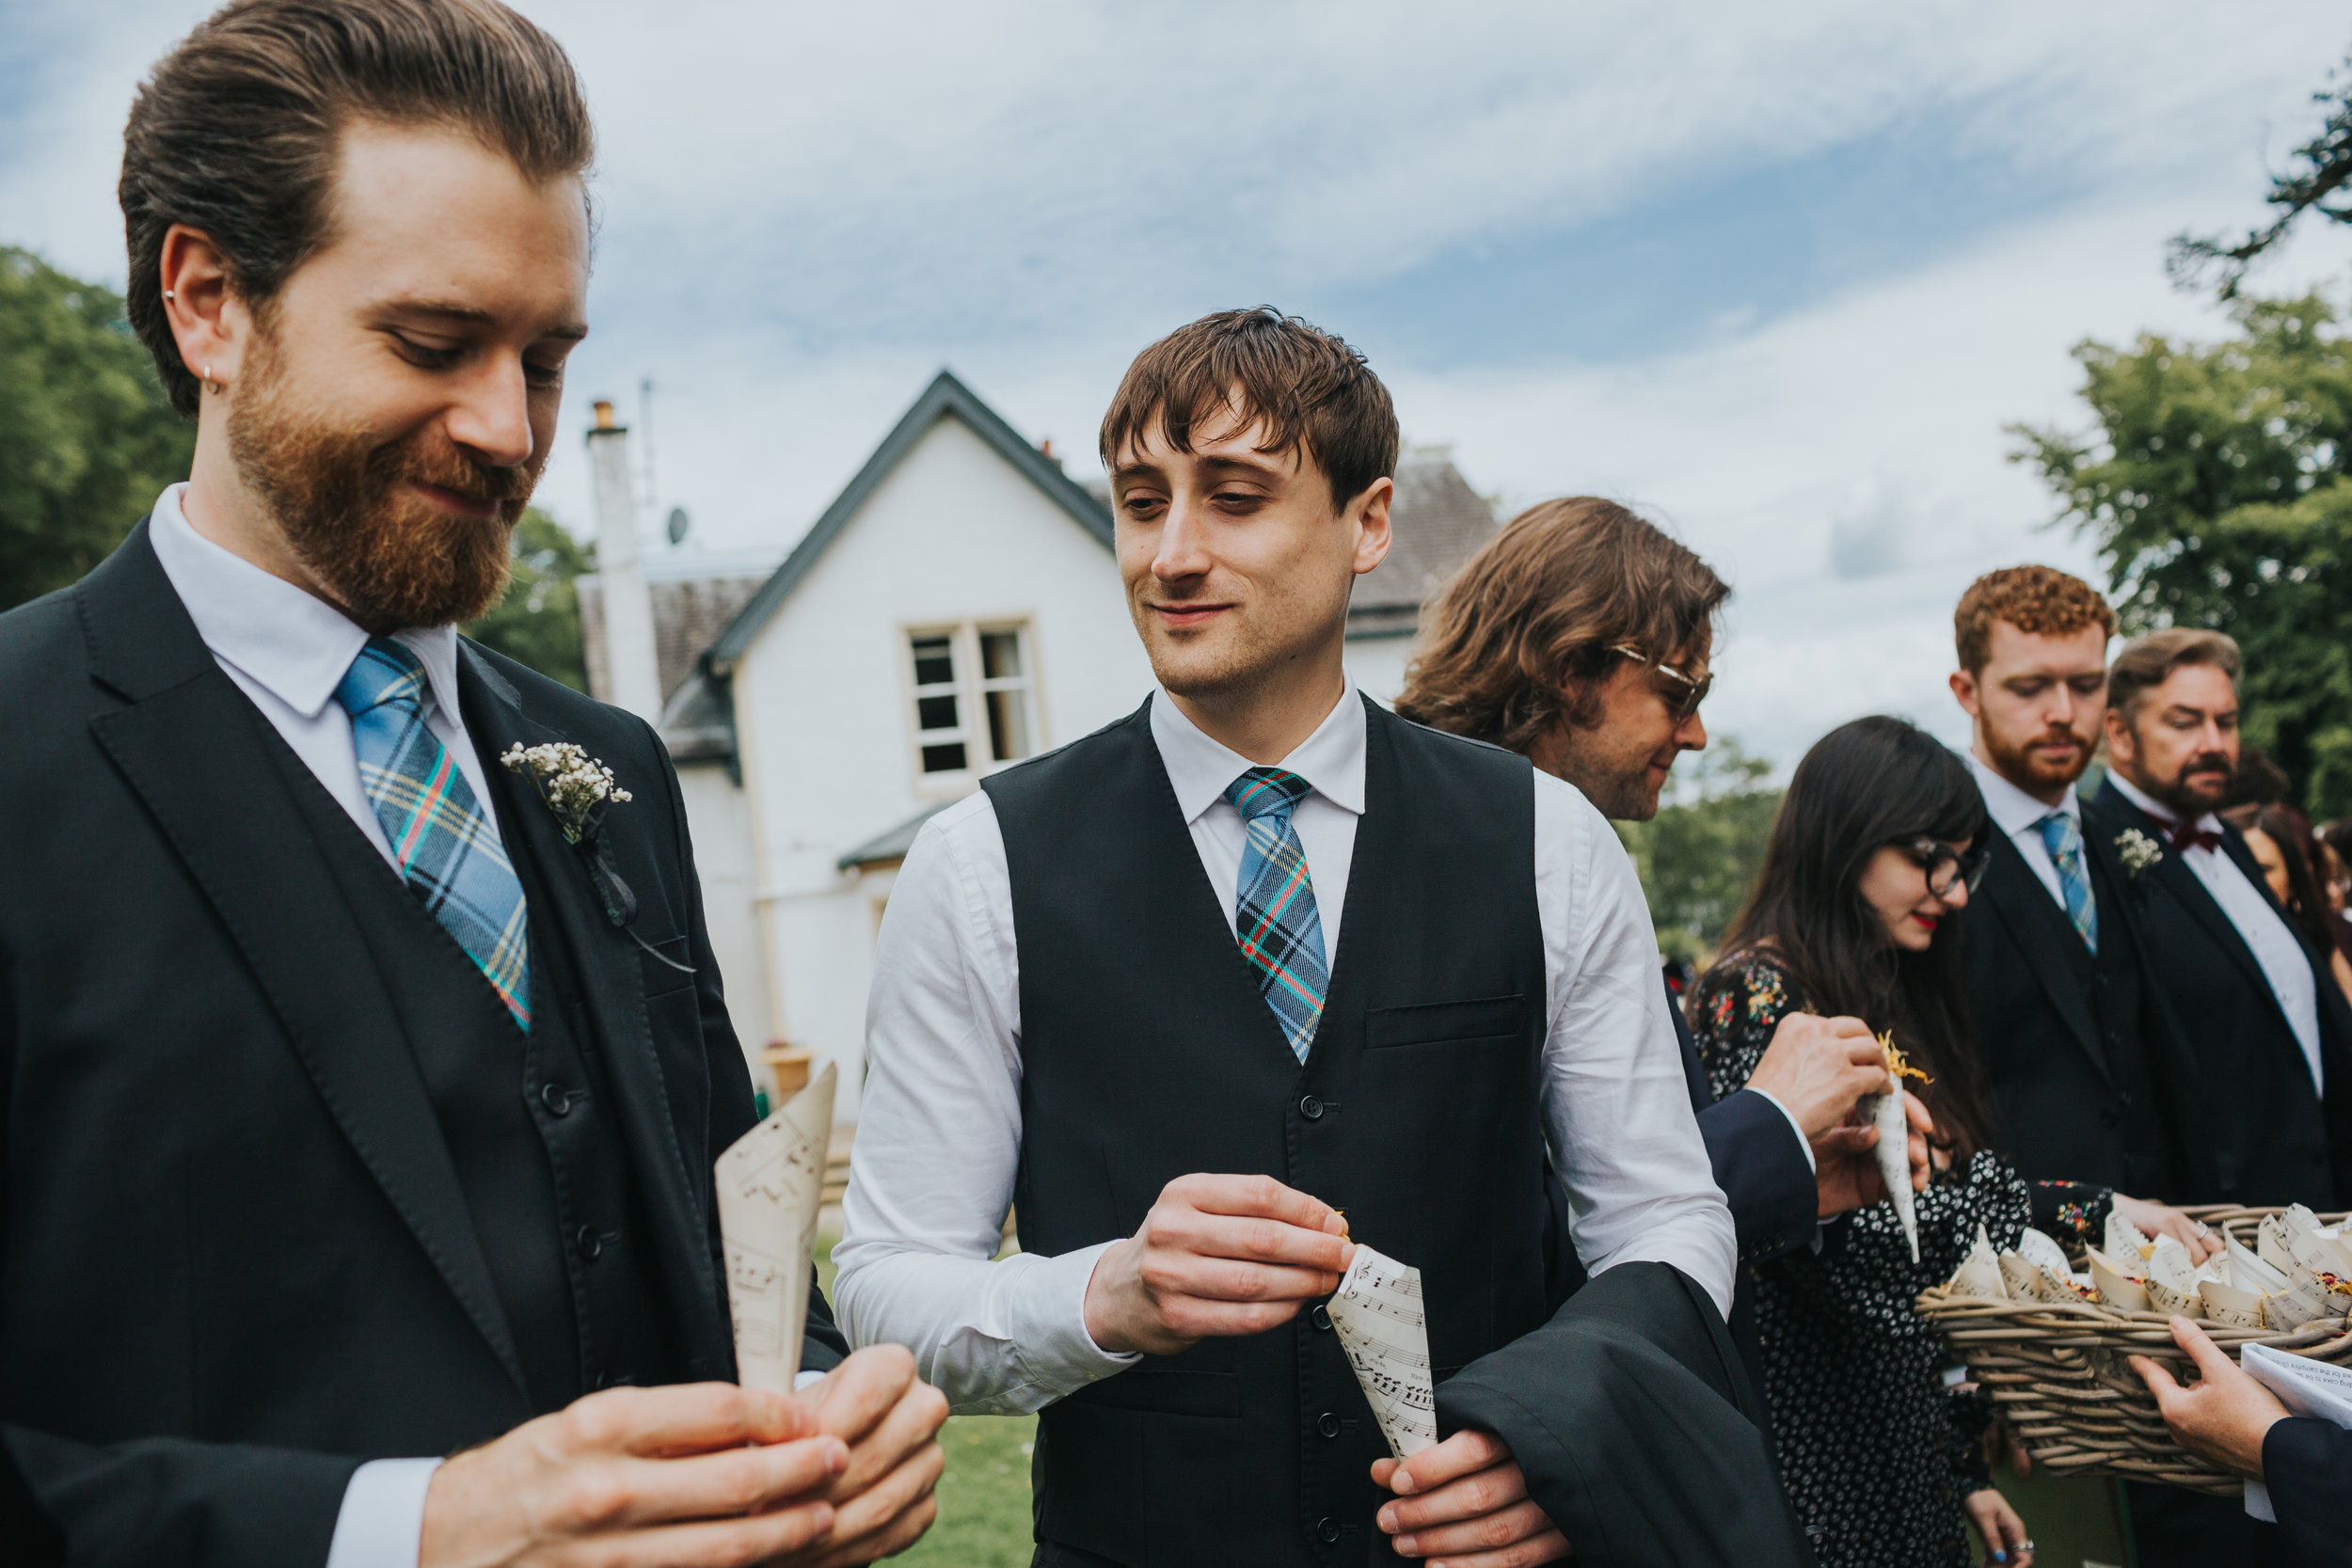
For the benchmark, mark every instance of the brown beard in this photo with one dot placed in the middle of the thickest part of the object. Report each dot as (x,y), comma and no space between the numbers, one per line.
(2023,762)
(388,558)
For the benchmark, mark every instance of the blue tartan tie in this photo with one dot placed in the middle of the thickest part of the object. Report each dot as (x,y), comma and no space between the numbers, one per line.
(2064,840)
(1274,918)
(448,853)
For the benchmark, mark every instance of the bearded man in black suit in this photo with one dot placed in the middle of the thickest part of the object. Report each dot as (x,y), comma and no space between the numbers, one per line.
(361,1103)
(2270,1030)
(2091,1080)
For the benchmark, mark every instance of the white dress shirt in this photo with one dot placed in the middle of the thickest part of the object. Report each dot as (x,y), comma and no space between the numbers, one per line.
(939,1139)
(2276,947)
(2019,815)
(288,651)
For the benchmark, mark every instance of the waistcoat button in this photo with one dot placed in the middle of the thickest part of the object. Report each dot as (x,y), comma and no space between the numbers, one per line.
(556,1097)
(591,1245)
(1328,1424)
(1321,1318)
(1326,1529)
(1311,1109)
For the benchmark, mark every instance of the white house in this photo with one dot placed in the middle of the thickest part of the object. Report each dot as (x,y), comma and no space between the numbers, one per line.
(956,609)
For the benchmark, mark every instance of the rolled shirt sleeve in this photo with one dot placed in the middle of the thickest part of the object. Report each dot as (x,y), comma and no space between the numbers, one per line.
(1616,1105)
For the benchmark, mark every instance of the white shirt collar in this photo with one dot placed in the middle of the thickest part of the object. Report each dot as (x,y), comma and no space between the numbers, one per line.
(2155,808)
(1331,760)
(2013,810)
(295,644)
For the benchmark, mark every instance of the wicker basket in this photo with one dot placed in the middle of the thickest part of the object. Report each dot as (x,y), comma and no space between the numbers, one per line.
(2060,1378)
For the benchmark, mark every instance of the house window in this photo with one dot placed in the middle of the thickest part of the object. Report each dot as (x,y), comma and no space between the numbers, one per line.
(972,692)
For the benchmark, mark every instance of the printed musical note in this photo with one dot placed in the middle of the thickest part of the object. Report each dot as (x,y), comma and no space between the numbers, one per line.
(1377,1312)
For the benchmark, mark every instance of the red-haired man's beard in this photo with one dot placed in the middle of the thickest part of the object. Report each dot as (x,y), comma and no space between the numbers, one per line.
(388,557)
(2055,757)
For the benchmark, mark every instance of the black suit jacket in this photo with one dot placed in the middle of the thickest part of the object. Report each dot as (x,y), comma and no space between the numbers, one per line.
(2273,1141)
(237,1261)
(2307,1465)
(2073,1092)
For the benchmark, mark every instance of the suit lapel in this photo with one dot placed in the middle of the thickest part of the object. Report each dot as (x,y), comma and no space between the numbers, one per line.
(611,976)
(2172,873)
(196,750)
(2022,904)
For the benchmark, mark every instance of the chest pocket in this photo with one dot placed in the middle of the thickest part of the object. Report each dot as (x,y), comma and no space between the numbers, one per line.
(1492,1017)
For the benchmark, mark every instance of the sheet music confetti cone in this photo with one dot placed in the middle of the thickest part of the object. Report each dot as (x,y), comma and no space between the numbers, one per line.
(769,1183)
(1377,1312)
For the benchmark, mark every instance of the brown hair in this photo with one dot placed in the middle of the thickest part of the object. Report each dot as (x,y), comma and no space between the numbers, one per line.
(2041,601)
(1312,394)
(234,133)
(2147,662)
(2299,848)
(1523,631)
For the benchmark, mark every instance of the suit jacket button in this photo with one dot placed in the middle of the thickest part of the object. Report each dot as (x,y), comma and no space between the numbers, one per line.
(1327,1531)
(1321,1318)
(1311,1109)
(591,1245)
(1328,1424)
(556,1097)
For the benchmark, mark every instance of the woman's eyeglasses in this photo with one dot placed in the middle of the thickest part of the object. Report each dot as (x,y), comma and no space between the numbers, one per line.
(1945,865)
(1683,695)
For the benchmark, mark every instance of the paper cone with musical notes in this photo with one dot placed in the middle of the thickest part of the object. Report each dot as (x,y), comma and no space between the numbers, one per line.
(768,1185)
(1378,1313)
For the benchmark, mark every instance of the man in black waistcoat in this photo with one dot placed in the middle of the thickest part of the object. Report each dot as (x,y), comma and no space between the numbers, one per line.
(1255,971)
(1538,645)
(356,1115)
(2091,1081)
(2262,1015)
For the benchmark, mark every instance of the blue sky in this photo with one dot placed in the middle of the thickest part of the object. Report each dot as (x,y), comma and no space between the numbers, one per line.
(1779,274)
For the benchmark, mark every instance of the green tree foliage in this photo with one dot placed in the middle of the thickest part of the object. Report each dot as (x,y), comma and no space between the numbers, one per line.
(537,621)
(87,438)
(2318,174)
(2215,488)
(1699,856)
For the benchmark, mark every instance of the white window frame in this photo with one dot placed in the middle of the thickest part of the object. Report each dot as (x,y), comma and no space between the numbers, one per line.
(970,688)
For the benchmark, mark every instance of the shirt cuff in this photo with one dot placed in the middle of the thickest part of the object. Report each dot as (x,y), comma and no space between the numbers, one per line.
(1068,1344)
(1794,1126)
(806,1380)
(381,1523)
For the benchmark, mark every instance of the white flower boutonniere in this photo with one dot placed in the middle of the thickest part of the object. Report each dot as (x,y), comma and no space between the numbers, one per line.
(2138,850)
(575,785)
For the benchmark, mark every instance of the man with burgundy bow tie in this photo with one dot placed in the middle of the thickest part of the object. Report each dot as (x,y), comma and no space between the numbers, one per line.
(2269,1029)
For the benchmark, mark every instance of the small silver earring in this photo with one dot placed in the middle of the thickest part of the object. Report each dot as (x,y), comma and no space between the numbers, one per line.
(171,294)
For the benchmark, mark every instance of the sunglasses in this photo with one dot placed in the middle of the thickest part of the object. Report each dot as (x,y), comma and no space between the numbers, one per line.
(1944,867)
(1683,695)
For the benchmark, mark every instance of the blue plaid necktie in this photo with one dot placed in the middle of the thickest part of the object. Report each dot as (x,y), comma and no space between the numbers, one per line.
(1274,918)
(2064,840)
(448,853)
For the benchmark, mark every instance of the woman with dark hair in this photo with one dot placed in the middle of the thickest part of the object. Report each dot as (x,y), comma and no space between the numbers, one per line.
(1879,840)
(2280,838)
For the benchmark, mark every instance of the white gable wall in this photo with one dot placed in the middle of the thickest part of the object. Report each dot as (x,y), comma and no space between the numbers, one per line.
(825,725)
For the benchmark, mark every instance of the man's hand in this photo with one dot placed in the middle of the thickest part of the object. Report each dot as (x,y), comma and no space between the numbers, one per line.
(1466,1500)
(705,1474)
(1846,1164)
(890,1419)
(1218,1255)
(1817,1067)
(2224,1416)
(2156,1219)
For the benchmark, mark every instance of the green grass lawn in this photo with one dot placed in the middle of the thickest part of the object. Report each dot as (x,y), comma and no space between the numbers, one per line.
(983,1493)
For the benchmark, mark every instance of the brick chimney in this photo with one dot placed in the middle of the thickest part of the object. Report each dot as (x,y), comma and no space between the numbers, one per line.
(629,647)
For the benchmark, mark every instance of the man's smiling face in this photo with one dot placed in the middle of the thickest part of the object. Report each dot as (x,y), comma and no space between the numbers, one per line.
(1237,565)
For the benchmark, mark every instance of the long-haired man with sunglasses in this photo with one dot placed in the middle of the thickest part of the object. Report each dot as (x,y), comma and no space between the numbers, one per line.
(1579,635)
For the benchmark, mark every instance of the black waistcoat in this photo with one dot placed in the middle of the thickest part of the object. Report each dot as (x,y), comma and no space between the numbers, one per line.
(1148,1054)
(541,1163)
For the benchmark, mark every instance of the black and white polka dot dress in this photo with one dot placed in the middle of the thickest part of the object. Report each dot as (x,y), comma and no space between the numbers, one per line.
(1875,1452)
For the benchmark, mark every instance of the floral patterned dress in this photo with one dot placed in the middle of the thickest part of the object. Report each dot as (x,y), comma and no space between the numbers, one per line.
(1875,1451)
